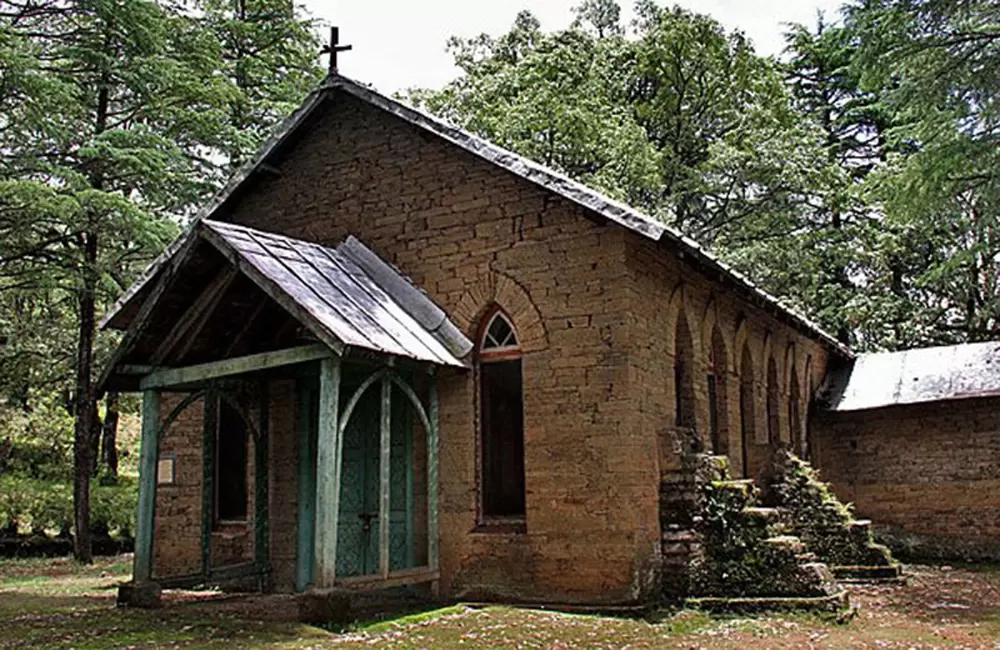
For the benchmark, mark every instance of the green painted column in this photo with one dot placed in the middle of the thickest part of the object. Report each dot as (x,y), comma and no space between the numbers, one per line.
(384,476)
(306,520)
(209,429)
(432,476)
(262,472)
(142,570)
(329,453)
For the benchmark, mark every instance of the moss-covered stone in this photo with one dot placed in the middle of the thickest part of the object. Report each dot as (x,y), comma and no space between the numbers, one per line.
(812,512)
(745,551)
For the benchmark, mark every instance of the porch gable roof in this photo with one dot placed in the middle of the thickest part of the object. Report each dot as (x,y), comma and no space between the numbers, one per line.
(346,296)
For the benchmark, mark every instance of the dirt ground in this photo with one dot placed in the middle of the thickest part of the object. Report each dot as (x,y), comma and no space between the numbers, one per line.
(56,604)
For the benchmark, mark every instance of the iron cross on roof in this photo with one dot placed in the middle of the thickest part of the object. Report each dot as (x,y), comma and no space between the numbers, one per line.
(334,48)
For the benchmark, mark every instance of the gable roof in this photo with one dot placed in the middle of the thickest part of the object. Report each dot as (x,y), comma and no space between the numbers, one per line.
(347,297)
(529,170)
(914,376)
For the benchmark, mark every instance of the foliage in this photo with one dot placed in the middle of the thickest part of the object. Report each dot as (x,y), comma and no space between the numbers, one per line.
(116,121)
(47,506)
(815,515)
(743,550)
(935,64)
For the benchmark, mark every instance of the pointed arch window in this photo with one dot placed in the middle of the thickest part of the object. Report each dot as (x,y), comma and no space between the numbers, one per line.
(501,420)
(231,461)
(718,404)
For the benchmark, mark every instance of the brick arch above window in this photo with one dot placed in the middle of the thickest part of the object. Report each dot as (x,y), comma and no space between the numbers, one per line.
(680,307)
(711,328)
(742,340)
(498,289)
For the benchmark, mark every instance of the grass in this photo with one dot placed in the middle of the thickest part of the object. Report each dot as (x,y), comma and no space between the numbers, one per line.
(60,605)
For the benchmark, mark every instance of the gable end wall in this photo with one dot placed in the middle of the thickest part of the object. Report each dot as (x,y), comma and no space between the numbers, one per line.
(470,234)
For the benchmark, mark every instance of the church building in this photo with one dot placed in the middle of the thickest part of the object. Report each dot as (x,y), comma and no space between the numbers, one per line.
(390,353)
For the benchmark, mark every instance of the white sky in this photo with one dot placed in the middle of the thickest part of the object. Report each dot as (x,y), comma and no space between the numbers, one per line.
(401,43)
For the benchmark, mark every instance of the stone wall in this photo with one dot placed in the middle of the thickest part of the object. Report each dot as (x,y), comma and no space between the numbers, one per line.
(596,311)
(472,236)
(177,530)
(664,289)
(927,475)
(283,436)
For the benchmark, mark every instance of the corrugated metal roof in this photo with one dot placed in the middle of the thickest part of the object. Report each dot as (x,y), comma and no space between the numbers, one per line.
(529,170)
(921,375)
(346,293)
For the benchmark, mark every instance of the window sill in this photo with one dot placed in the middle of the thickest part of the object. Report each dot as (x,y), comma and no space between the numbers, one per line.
(230,527)
(501,527)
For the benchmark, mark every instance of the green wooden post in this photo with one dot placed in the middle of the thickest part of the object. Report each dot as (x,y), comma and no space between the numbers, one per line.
(384,475)
(432,476)
(306,526)
(329,454)
(142,569)
(210,427)
(261,469)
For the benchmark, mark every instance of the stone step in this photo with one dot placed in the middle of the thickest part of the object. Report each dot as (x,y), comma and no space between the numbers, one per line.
(890,573)
(790,542)
(771,515)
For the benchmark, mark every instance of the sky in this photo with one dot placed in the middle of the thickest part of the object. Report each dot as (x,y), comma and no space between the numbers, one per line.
(401,43)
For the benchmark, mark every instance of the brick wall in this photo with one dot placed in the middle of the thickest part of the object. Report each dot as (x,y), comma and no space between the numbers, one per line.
(596,311)
(177,530)
(927,474)
(283,482)
(470,236)
(664,289)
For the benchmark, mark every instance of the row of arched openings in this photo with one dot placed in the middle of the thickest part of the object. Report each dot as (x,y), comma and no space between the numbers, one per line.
(717,392)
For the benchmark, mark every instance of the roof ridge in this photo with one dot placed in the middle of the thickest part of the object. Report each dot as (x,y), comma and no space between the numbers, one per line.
(530,170)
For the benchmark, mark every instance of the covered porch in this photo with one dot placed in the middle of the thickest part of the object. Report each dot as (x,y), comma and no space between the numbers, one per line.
(318,365)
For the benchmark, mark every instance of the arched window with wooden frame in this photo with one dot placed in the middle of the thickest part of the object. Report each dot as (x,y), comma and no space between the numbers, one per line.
(718,411)
(501,420)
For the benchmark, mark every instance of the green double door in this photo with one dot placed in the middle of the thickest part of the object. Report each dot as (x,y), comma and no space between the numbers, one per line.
(358,530)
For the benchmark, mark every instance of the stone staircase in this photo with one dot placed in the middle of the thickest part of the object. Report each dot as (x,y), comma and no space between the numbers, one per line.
(811,511)
(723,550)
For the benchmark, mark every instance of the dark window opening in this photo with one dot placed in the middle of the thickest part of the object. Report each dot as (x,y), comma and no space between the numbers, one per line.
(718,410)
(684,405)
(794,416)
(747,413)
(713,412)
(230,465)
(771,405)
(501,399)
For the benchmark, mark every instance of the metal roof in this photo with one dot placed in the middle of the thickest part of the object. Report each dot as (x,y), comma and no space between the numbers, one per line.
(529,170)
(921,375)
(346,292)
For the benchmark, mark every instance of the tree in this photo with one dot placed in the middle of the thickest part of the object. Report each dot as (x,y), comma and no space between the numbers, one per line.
(935,64)
(834,278)
(121,119)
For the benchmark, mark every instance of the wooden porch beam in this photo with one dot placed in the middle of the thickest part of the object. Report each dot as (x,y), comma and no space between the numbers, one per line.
(329,452)
(192,322)
(432,475)
(142,567)
(234,366)
(384,472)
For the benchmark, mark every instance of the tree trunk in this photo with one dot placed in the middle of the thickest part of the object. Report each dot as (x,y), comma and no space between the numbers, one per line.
(84,407)
(109,437)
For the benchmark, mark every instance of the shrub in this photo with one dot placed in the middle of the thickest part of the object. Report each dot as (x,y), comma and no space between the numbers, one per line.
(43,505)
